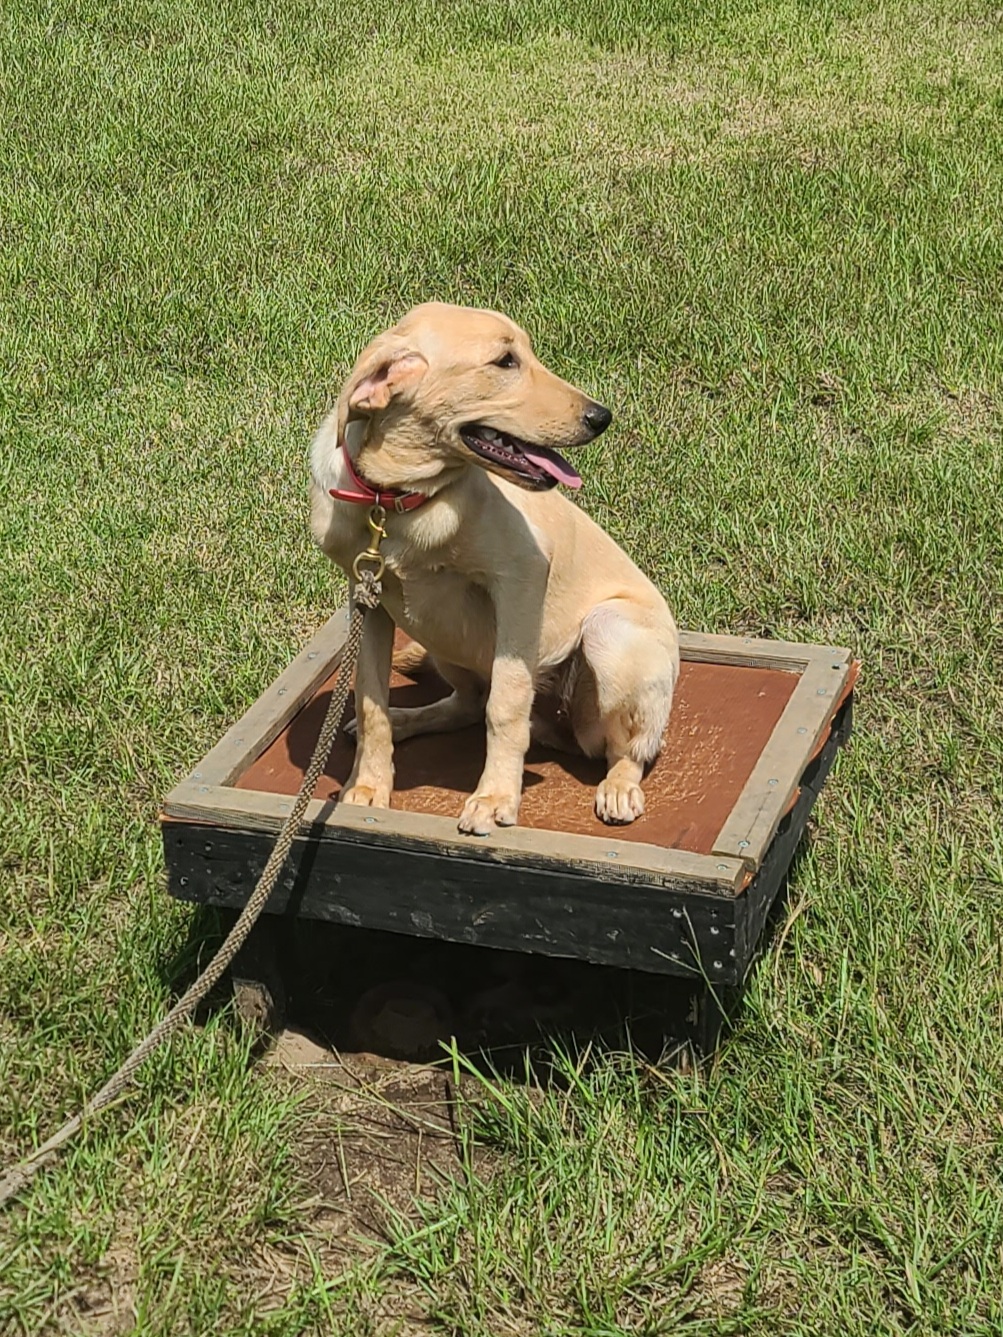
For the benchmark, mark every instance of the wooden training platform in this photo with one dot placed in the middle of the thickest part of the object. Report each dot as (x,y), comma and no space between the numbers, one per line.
(684,891)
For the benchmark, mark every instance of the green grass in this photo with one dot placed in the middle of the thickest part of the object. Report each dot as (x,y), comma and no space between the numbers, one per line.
(768,234)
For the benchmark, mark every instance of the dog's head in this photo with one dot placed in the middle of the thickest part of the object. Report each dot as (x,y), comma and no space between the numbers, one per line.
(451,385)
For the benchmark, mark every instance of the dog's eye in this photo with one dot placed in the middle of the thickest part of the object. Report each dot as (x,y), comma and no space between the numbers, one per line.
(508,361)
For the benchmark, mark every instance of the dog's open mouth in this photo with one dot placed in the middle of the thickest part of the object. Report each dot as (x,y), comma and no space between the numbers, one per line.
(537,467)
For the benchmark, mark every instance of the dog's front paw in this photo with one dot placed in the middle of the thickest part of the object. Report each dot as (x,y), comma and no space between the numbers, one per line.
(483,812)
(367,796)
(618,802)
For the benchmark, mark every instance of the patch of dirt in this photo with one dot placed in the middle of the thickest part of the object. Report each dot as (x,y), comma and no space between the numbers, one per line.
(103,1304)
(382,1134)
(369,1017)
(971,412)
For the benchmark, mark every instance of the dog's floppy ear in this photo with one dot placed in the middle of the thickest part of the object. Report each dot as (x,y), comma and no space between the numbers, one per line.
(388,368)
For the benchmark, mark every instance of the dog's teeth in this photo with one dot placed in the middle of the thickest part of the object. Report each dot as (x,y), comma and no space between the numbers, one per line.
(489,434)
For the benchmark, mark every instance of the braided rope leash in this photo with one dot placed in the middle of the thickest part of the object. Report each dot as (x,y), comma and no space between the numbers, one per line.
(366,595)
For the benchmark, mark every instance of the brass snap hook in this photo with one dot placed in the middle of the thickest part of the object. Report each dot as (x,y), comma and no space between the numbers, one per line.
(371,556)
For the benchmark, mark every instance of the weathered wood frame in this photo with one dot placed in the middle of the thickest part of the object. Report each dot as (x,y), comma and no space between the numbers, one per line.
(600,897)
(824,672)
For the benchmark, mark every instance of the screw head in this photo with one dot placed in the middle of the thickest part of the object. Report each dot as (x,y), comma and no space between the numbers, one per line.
(743,844)
(773,782)
(822,691)
(612,854)
(722,868)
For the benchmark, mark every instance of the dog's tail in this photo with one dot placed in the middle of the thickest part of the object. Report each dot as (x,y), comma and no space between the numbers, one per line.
(413,659)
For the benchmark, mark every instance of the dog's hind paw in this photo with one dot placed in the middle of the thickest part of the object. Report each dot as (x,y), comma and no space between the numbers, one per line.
(619,802)
(483,812)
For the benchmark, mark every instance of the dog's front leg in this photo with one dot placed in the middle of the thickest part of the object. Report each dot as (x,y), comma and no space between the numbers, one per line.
(372,775)
(509,705)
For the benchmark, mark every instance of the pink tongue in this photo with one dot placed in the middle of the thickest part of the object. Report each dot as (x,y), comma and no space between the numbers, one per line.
(552,464)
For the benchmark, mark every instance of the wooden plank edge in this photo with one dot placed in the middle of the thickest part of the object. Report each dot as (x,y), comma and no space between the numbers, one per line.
(595,857)
(798,736)
(848,687)
(755,652)
(391,889)
(269,714)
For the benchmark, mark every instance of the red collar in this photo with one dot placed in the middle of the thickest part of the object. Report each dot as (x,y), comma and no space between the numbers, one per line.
(365,494)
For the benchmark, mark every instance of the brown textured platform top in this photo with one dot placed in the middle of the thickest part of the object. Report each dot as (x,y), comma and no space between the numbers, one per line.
(722,718)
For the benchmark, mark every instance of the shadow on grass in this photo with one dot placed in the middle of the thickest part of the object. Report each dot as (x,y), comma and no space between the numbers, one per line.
(363,991)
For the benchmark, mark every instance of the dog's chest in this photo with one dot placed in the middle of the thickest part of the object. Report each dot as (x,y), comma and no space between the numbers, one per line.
(448,612)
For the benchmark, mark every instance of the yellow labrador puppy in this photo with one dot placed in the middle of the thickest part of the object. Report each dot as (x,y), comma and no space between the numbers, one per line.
(453,424)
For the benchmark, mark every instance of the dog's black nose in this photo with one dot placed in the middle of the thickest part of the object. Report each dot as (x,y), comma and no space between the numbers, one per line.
(597,417)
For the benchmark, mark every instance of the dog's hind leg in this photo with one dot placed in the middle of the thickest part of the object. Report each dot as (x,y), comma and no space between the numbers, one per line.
(620,708)
(464,705)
